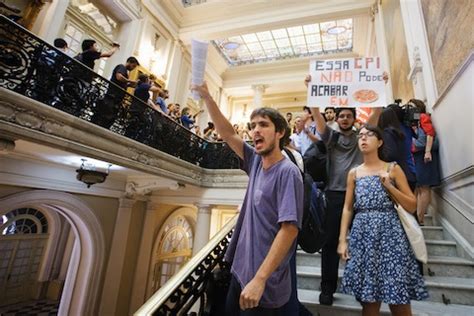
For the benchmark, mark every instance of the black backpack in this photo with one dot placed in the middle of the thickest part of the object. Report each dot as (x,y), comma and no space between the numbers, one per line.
(311,236)
(315,159)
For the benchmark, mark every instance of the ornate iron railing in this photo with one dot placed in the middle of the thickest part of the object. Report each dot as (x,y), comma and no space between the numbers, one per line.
(200,282)
(33,68)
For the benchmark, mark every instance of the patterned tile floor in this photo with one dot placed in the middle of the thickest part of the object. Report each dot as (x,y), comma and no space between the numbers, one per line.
(37,308)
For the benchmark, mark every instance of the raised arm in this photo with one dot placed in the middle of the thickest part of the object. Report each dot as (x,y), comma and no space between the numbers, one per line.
(110,52)
(223,126)
(155,89)
(317,115)
(375,114)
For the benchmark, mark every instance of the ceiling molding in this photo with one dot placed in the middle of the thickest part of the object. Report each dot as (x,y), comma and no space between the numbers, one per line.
(225,22)
(163,16)
(123,10)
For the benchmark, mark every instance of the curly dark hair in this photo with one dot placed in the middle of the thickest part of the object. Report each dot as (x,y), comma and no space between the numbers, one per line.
(275,117)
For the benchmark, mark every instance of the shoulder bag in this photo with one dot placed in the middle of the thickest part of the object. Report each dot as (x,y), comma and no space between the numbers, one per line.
(412,229)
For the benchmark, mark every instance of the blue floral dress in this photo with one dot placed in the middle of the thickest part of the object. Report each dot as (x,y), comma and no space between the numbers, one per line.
(382,266)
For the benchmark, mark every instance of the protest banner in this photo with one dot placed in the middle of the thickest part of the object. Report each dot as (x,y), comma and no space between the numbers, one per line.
(352,82)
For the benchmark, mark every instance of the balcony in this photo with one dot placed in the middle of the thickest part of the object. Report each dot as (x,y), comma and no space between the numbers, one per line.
(51,98)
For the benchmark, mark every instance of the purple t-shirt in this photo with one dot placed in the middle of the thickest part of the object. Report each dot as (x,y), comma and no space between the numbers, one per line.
(273,196)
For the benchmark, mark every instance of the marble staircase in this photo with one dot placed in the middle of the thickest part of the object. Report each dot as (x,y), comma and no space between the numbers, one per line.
(449,278)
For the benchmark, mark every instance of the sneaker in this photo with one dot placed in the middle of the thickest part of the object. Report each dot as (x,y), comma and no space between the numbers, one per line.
(325,299)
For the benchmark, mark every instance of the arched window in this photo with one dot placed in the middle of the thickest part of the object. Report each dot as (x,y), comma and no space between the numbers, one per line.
(174,249)
(24,234)
(23,221)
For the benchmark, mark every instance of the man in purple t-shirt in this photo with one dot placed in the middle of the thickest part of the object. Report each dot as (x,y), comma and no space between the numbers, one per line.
(265,234)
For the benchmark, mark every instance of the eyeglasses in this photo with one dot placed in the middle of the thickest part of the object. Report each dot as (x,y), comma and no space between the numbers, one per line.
(368,134)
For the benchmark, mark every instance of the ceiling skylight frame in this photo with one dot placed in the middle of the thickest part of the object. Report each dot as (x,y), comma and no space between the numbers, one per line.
(312,32)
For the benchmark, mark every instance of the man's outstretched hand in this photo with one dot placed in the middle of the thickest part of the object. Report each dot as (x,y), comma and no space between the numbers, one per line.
(202,90)
(307,80)
(385,77)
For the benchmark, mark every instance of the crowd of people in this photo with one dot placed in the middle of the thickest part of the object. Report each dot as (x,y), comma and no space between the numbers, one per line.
(146,90)
(389,158)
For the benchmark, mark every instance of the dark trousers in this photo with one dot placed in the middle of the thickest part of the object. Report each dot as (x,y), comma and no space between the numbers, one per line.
(232,306)
(329,257)
(294,306)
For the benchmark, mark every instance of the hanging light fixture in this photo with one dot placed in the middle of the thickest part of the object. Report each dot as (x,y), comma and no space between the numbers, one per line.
(336,30)
(230,45)
(89,175)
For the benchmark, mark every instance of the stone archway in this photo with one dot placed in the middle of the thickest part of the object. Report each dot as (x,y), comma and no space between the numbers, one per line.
(81,289)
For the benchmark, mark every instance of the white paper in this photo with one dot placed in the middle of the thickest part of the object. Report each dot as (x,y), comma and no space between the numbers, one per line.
(198,63)
(351,82)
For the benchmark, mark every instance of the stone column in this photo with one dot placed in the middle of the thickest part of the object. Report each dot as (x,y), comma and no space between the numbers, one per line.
(140,284)
(111,289)
(203,226)
(259,90)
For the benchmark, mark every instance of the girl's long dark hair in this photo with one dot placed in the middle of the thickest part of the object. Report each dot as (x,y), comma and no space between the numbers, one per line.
(389,120)
(378,133)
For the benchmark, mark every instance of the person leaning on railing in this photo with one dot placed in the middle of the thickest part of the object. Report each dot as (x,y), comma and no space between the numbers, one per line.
(108,108)
(140,124)
(265,235)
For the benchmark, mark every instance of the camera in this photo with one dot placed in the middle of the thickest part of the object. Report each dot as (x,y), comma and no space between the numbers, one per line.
(408,114)
(411,114)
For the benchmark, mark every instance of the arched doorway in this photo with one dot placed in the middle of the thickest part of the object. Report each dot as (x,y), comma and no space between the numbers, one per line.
(81,287)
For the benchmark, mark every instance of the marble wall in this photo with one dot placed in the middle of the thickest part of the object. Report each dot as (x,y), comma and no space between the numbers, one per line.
(397,50)
(450,36)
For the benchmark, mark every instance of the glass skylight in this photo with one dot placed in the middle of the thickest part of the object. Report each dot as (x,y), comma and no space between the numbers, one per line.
(297,41)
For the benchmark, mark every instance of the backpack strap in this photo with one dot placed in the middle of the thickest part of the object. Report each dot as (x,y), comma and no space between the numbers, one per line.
(290,155)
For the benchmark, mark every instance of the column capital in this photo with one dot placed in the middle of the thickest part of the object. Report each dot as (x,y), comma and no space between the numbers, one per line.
(125,202)
(6,146)
(259,88)
(151,206)
(203,208)
(141,186)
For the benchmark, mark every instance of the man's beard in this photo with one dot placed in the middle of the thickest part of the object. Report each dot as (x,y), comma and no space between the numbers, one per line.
(345,129)
(267,151)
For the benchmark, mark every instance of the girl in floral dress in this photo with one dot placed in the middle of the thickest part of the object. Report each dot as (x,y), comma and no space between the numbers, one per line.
(381,266)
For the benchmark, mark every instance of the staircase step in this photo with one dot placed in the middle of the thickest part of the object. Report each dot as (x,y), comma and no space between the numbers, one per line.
(309,278)
(428,220)
(433,232)
(457,290)
(441,248)
(439,265)
(449,267)
(346,305)
(308,259)
(312,259)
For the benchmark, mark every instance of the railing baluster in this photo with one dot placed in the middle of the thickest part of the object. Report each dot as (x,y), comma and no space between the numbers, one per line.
(195,280)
